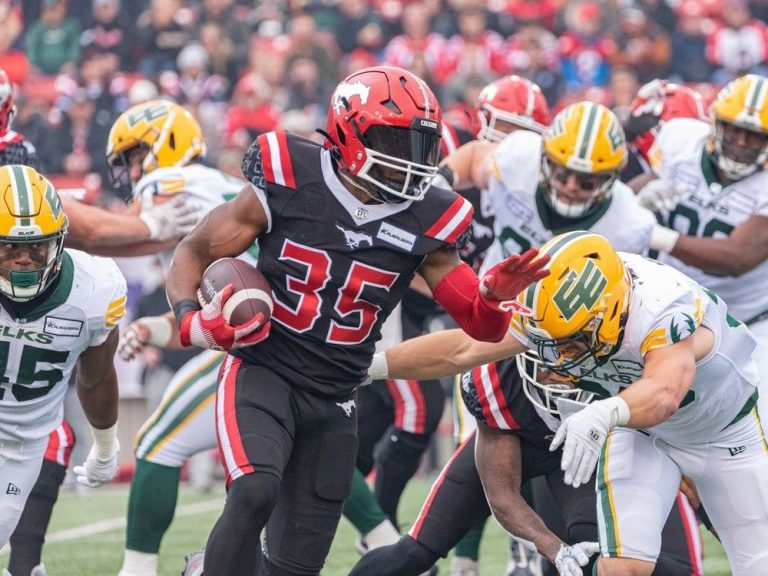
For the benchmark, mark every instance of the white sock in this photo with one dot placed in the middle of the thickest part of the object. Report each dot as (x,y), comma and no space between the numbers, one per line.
(383,535)
(138,564)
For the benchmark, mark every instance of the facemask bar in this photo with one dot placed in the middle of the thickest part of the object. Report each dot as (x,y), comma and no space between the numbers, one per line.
(573,210)
(732,169)
(543,395)
(490,115)
(23,285)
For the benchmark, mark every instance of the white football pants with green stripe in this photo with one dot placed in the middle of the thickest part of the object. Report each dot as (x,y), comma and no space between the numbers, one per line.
(182,425)
(638,477)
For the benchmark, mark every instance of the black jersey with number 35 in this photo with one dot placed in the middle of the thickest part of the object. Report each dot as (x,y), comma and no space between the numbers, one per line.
(337,266)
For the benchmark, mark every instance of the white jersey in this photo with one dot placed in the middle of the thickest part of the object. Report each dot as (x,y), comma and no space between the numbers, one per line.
(708,209)
(39,353)
(665,307)
(206,187)
(523,219)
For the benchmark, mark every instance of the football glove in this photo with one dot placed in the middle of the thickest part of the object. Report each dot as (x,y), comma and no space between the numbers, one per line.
(570,559)
(100,466)
(501,285)
(173,219)
(207,328)
(659,195)
(584,434)
(150,330)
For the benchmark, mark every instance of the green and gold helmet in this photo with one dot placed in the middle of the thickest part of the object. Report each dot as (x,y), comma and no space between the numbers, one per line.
(32,231)
(742,103)
(579,310)
(585,139)
(170,135)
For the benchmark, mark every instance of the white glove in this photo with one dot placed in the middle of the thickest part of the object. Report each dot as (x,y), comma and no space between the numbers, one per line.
(173,219)
(570,559)
(102,462)
(151,330)
(584,434)
(659,195)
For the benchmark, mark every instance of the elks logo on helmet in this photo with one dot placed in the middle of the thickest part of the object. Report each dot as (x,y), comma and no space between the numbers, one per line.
(345,91)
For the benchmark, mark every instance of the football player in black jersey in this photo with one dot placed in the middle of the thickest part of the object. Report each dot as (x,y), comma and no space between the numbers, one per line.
(342,229)
(400,416)
(510,448)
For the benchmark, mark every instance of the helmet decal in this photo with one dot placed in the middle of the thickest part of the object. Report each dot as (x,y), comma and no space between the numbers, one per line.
(345,91)
(580,290)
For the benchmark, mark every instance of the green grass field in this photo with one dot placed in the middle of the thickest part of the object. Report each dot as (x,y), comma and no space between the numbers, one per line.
(86,536)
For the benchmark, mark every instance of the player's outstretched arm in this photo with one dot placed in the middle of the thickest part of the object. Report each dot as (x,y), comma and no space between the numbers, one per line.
(745,248)
(440,354)
(97,391)
(99,231)
(499,463)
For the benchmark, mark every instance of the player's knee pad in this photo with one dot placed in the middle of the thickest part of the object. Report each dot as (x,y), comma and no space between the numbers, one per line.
(254,493)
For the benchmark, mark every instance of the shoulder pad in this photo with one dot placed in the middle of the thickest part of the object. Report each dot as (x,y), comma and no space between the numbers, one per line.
(283,159)
(445,215)
(161,182)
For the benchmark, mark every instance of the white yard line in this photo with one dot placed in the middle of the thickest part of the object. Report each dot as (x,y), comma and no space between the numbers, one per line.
(118,523)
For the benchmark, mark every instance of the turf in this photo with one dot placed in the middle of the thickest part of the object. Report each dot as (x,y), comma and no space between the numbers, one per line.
(100,554)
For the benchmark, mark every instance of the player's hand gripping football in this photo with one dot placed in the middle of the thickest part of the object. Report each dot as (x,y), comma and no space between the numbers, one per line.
(584,434)
(501,285)
(100,466)
(570,559)
(207,328)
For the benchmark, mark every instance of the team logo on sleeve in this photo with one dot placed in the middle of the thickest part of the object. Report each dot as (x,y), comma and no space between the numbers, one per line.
(580,290)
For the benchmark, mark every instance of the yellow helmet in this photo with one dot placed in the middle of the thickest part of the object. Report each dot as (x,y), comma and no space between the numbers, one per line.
(579,310)
(585,138)
(743,103)
(168,133)
(32,230)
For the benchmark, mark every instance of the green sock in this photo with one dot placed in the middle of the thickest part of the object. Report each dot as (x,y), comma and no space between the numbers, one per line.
(151,505)
(361,508)
(469,546)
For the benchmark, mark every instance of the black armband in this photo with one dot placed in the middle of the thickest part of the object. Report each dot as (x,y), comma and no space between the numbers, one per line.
(184,307)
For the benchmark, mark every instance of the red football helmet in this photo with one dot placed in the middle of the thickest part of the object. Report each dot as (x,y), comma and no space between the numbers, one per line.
(7,107)
(659,101)
(514,100)
(384,128)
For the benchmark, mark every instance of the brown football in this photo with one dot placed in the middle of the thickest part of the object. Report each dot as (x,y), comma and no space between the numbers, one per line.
(252,294)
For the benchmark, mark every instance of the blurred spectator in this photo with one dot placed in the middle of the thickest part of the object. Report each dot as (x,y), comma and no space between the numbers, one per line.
(357,26)
(356,60)
(623,88)
(689,42)
(642,45)
(475,50)
(220,53)
(417,43)
(532,12)
(585,48)
(108,30)
(252,111)
(52,43)
(75,145)
(307,42)
(533,54)
(224,33)
(738,46)
(12,58)
(30,118)
(660,12)
(96,73)
(196,85)
(307,88)
(162,33)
